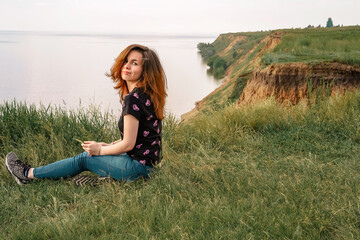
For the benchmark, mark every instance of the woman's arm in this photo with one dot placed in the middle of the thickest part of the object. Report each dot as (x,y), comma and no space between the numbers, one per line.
(131,126)
(115,142)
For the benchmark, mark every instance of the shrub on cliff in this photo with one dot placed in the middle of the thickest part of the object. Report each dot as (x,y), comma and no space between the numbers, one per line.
(218,65)
(206,50)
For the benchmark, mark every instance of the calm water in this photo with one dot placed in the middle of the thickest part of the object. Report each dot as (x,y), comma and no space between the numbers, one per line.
(68,70)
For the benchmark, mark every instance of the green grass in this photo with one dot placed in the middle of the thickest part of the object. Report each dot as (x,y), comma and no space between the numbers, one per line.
(238,87)
(241,48)
(252,38)
(264,171)
(339,44)
(246,62)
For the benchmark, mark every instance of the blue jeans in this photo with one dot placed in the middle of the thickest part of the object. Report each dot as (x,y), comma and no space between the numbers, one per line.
(121,167)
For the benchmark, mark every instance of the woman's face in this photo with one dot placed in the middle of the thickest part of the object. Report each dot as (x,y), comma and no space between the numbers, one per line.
(132,69)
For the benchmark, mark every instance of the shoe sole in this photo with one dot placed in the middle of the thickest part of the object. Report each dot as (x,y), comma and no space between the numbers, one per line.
(86,180)
(7,167)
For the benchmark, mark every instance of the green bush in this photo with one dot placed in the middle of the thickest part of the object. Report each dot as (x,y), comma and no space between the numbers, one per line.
(206,50)
(219,72)
(217,65)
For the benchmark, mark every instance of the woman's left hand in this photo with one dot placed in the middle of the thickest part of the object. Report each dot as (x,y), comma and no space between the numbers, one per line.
(92,147)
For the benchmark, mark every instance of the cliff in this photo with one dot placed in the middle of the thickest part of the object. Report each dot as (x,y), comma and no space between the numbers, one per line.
(288,64)
(290,83)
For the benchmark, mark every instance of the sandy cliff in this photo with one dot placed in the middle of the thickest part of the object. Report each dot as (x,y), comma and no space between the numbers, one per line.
(290,82)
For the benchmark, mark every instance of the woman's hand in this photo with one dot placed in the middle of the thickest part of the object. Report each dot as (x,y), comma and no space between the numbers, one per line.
(92,147)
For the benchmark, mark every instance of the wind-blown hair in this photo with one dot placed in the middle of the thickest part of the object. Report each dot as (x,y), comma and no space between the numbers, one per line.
(152,79)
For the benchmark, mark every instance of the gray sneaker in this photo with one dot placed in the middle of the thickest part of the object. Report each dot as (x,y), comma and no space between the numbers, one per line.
(17,168)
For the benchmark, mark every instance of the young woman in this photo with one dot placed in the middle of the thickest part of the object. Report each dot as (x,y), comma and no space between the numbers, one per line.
(141,82)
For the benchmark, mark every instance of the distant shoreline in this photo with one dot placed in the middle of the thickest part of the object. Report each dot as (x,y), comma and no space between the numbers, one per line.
(112,35)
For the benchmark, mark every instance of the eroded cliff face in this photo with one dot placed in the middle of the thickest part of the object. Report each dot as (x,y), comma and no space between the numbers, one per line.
(289,83)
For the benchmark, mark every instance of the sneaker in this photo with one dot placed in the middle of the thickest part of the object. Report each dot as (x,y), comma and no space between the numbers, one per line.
(17,168)
(86,180)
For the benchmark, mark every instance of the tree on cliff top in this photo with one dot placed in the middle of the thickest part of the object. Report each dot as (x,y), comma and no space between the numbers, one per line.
(329,23)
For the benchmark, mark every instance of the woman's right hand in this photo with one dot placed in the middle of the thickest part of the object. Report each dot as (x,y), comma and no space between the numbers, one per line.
(92,147)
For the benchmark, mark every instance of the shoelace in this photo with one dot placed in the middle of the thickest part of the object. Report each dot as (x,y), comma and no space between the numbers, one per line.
(24,166)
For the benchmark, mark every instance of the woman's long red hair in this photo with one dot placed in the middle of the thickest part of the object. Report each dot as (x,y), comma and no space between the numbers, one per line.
(152,80)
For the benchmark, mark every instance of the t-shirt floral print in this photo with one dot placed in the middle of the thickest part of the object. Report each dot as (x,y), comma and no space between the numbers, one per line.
(148,144)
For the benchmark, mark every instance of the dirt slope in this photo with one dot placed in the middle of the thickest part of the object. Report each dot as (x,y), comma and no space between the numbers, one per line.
(290,82)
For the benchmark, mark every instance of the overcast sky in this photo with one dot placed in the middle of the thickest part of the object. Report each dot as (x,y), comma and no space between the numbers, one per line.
(201,17)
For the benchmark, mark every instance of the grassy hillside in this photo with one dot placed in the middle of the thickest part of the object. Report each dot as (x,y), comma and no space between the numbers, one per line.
(317,45)
(260,172)
(229,48)
(245,52)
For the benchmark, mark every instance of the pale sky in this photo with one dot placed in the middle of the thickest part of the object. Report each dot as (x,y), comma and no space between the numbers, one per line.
(201,17)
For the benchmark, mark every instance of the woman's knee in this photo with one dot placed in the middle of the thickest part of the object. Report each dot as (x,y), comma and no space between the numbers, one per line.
(82,156)
(80,159)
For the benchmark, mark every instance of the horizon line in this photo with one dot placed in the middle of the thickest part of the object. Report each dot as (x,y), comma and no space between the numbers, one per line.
(114,34)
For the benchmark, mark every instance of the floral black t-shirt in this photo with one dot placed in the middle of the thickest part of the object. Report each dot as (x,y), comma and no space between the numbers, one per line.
(148,141)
